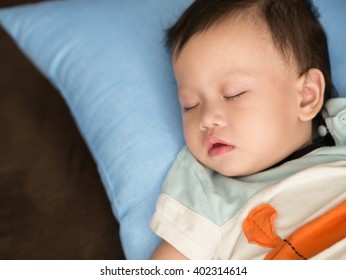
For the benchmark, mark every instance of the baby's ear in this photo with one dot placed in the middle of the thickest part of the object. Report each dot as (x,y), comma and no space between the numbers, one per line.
(311,94)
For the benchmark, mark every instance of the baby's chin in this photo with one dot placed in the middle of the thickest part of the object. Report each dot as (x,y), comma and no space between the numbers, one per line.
(232,166)
(235,173)
(239,171)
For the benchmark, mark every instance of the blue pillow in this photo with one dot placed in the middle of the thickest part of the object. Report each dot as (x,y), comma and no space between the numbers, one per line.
(108,60)
(333,18)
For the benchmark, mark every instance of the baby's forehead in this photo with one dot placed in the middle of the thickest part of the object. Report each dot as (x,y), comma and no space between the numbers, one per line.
(245,33)
(252,21)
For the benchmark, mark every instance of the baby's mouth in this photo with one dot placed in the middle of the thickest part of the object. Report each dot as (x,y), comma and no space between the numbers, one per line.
(217,146)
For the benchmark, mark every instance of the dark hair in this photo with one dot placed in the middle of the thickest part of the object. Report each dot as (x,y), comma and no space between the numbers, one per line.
(293,25)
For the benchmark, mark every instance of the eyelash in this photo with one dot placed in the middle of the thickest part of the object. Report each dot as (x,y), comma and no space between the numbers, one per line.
(231,98)
(186,109)
(234,97)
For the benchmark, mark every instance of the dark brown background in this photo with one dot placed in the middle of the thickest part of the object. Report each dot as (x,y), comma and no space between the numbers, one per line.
(52,202)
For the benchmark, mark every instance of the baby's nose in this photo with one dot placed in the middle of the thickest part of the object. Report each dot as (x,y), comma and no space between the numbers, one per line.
(211,117)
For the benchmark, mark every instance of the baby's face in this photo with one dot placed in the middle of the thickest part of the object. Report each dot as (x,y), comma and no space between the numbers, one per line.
(239,99)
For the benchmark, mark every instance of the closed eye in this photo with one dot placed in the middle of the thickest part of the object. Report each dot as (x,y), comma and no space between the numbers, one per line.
(234,97)
(186,109)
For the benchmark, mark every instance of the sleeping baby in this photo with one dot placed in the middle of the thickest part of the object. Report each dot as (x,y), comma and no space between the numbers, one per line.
(263,173)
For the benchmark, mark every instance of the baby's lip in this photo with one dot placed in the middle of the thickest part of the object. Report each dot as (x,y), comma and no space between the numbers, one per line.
(216,146)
